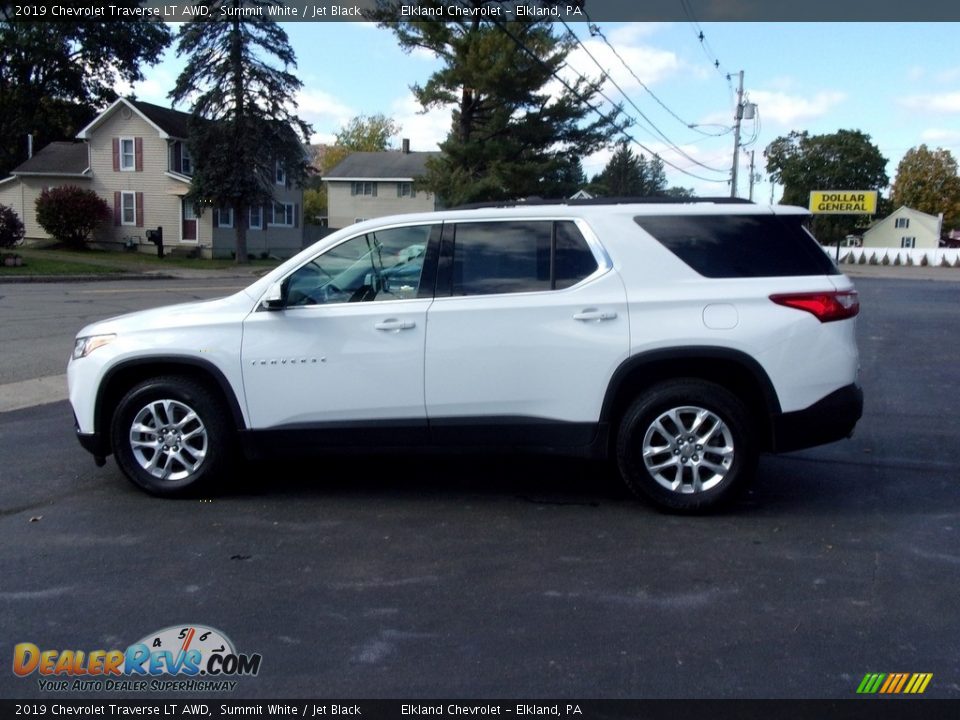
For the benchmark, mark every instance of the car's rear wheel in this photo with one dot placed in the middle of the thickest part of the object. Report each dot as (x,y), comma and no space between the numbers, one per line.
(170,436)
(686,445)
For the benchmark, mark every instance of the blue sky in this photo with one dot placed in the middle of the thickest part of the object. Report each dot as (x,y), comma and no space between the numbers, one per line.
(897,82)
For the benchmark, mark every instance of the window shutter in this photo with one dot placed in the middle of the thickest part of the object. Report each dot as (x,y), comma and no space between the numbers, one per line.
(116,208)
(138,151)
(116,154)
(177,153)
(296,215)
(139,200)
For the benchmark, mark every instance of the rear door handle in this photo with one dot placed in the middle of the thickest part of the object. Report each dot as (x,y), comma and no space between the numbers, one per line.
(393,324)
(594,315)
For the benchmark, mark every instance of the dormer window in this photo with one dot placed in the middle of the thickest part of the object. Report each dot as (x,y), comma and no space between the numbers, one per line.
(186,164)
(281,174)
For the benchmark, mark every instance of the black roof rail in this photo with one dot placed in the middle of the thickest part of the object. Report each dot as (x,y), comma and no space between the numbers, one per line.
(649,199)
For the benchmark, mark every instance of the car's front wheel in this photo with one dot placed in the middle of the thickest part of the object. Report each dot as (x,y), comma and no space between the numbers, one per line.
(170,436)
(686,445)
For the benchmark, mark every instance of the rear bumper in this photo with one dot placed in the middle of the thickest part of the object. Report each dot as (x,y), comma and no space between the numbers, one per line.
(830,419)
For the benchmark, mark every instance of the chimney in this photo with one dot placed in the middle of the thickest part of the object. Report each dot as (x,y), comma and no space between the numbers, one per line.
(405,146)
(29,145)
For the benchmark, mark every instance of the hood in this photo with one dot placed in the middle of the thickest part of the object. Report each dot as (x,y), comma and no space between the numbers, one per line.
(232,308)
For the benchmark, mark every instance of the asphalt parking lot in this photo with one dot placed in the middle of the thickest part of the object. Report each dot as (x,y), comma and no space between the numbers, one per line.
(423,577)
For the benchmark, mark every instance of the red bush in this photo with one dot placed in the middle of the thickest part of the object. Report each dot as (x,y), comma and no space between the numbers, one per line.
(71,214)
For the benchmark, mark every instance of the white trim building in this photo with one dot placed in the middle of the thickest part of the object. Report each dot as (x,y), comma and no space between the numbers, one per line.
(905,228)
(367,185)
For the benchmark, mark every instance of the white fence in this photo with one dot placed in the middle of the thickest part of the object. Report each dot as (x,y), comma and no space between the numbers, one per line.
(941,257)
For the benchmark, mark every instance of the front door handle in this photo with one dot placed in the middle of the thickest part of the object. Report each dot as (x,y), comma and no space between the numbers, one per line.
(594,315)
(394,325)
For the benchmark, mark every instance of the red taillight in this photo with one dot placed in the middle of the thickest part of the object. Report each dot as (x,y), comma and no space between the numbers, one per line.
(825,306)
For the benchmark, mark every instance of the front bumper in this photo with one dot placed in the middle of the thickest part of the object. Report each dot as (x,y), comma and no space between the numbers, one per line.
(827,420)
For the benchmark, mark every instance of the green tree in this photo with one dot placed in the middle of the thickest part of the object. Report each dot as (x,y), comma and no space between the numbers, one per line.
(238,77)
(844,160)
(71,214)
(514,127)
(927,181)
(11,227)
(629,175)
(54,76)
(362,133)
(680,192)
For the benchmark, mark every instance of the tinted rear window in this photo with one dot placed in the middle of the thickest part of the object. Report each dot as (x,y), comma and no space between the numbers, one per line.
(732,246)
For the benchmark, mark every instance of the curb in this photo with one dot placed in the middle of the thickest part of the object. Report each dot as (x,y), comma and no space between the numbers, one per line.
(104,277)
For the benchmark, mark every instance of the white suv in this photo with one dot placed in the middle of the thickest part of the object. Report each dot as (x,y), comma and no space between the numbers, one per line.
(681,339)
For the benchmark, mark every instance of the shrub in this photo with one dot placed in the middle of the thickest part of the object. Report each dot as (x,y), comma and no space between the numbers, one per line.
(11,229)
(71,214)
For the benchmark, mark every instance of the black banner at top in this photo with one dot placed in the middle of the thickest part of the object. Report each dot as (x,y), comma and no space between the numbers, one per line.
(500,10)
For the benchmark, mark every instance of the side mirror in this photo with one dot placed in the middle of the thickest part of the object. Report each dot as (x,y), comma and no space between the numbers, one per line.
(273,299)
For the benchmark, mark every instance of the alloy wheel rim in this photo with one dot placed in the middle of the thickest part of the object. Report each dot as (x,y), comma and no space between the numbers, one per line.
(688,450)
(168,439)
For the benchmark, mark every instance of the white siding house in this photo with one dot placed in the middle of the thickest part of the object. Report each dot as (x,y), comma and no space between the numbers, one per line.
(905,228)
(366,185)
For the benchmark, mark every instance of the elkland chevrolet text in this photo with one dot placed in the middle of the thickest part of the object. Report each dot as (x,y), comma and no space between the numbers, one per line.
(680,339)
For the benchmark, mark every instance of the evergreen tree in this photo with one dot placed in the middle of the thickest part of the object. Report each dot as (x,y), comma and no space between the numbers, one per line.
(627,175)
(514,127)
(55,76)
(239,80)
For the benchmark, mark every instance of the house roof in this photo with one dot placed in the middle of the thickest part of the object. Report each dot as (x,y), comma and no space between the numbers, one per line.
(389,165)
(57,158)
(169,123)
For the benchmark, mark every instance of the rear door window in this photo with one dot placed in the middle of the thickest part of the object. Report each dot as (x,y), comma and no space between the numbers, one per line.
(736,246)
(518,256)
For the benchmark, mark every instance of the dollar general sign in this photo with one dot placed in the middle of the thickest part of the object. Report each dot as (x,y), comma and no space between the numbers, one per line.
(843,202)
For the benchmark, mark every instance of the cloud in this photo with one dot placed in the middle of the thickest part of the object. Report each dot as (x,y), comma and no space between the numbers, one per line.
(949,76)
(788,109)
(940,135)
(326,113)
(424,130)
(938,102)
(650,64)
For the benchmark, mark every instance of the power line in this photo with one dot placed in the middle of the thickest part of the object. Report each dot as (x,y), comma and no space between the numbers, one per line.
(613,82)
(590,105)
(704,43)
(595,31)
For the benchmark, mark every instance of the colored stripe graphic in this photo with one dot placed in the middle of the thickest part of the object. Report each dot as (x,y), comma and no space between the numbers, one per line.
(894,683)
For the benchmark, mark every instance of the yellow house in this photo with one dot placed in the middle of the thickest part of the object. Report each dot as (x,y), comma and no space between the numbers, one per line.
(905,228)
(134,155)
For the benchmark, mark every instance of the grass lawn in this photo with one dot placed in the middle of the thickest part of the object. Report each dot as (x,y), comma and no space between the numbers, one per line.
(57,261)
(55,266)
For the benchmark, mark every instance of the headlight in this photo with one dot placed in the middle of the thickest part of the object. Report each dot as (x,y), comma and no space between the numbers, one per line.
(86,345)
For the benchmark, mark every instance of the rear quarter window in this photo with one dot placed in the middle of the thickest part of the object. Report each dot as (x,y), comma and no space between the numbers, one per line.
(737,246)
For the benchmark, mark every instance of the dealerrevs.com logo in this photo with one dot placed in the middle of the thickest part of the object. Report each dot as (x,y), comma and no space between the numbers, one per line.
(177,658)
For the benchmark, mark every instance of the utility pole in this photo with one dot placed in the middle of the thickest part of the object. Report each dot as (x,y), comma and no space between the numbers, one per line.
(738,117)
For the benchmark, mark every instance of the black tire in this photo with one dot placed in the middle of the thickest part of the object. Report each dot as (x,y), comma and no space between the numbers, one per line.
(700,443)
(193,453)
